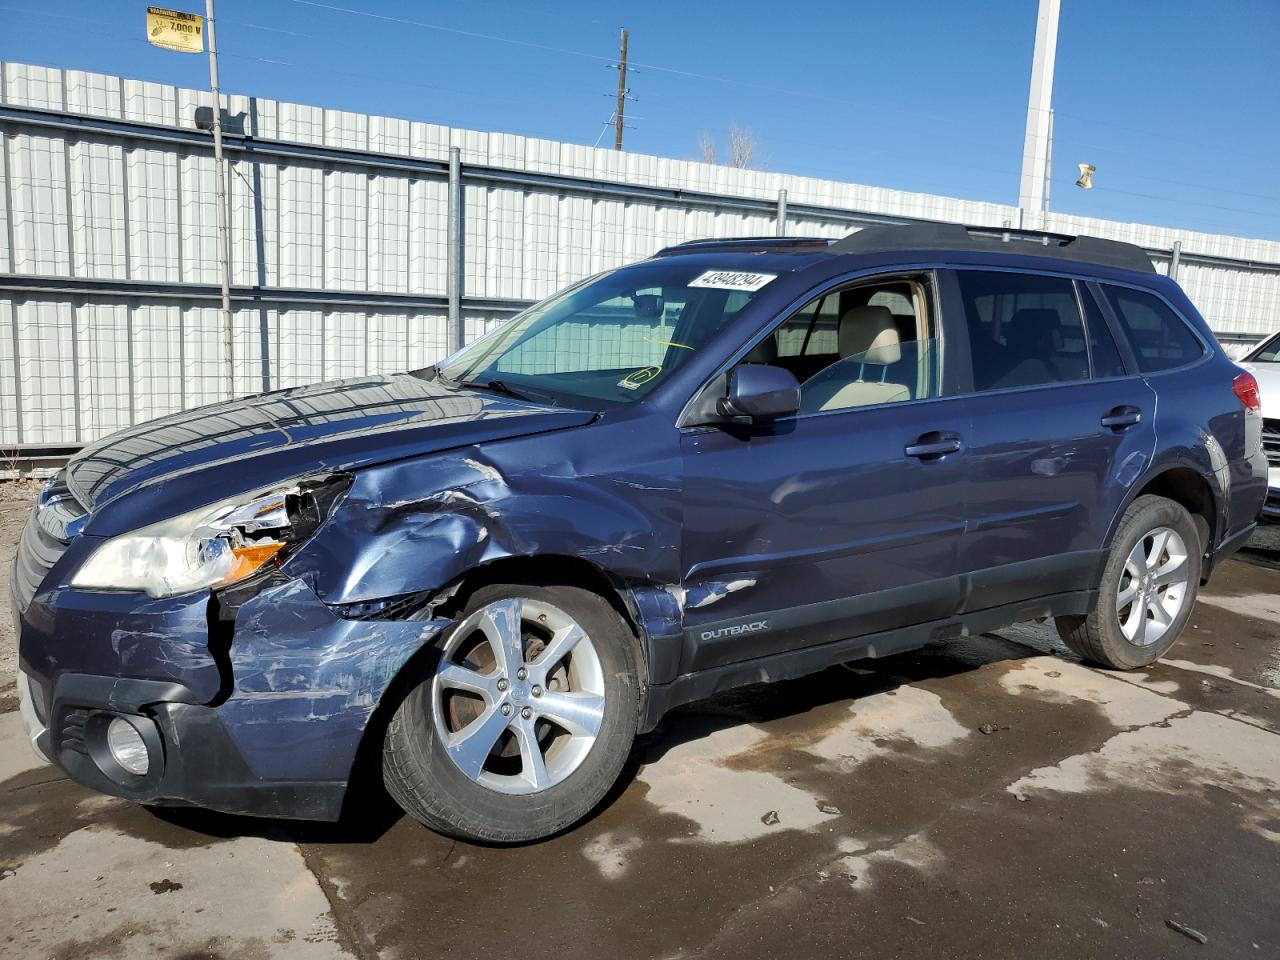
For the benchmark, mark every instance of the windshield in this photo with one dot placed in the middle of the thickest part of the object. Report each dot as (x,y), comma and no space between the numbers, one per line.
(613,338)
(1270,352)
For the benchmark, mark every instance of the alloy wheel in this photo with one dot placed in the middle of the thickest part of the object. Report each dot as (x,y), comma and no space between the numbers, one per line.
(518,697)
(1153,586)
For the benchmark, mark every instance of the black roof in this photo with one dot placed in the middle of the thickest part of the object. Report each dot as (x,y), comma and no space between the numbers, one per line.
(742,244)
(941,237)
(957,237)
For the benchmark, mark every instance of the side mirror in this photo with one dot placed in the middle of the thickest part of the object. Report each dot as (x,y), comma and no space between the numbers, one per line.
(760,391)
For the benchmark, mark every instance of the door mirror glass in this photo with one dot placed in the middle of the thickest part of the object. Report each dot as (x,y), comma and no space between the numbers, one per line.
(760,391)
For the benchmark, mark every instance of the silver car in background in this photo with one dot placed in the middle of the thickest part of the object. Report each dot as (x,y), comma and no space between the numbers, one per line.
(1263,361)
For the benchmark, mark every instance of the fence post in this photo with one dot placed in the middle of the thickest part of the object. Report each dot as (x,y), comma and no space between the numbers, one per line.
(454,262)
(1175,259)
(782,213)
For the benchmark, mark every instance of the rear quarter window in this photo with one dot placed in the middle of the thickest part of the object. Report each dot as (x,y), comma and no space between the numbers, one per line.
(1160,338)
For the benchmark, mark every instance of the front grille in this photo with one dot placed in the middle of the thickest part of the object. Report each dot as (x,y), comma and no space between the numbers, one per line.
(1271,440)
(54,521)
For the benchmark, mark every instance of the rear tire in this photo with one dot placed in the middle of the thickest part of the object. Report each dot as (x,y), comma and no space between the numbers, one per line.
(1148,588)
(517,734)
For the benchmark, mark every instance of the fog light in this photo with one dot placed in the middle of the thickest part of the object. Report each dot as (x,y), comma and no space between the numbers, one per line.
(127,746)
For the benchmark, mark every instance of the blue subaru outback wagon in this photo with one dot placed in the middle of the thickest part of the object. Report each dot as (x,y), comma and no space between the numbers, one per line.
(733,462)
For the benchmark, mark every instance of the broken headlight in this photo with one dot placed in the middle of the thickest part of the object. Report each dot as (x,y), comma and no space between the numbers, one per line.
(215,545)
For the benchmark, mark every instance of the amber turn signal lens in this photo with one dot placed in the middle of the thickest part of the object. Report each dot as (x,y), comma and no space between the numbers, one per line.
(249,558)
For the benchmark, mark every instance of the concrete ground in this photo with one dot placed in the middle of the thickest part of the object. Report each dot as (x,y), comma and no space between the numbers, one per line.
(991,798)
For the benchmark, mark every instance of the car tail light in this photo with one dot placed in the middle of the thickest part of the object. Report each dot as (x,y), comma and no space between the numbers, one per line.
(1245,387)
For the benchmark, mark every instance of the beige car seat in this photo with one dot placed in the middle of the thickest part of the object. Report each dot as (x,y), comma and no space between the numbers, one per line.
(868,342)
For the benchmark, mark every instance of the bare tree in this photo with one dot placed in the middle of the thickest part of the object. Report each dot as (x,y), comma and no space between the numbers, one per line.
(706,148)
(744,148)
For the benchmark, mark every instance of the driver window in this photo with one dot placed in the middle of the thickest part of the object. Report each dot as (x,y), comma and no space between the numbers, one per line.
(863,345)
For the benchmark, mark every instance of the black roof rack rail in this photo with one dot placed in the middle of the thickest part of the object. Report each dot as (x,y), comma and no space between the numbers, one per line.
(734,243)
(1033,243)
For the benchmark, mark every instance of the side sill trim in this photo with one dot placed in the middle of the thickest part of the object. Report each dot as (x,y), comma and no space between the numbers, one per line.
(805,660)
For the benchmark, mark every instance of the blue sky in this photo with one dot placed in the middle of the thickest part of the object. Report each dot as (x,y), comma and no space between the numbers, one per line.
(1175,101)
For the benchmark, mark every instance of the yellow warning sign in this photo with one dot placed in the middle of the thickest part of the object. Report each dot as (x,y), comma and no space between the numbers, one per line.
(174,30)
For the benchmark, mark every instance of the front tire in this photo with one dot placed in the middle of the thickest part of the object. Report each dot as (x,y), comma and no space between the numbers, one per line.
(527,720)
(1149,585)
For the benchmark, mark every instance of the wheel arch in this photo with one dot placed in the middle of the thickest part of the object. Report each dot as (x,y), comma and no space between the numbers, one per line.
(533,570)
(552,569)
(1184,484)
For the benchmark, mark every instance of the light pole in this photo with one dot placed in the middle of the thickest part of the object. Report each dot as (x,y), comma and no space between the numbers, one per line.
(1037,146)
(184,33)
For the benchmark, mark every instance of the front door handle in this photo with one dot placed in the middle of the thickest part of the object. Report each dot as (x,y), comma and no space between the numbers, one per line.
(1118,418)
(933,446)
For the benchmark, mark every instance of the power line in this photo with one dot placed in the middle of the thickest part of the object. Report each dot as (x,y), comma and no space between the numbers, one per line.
(400,80)
(129,37)
(638,66)
(405,21)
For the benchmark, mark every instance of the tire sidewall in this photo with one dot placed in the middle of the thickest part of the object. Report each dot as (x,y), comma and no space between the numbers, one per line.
(459,806)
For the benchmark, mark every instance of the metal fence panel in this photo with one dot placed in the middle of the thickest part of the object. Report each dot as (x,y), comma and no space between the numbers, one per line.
(338,222)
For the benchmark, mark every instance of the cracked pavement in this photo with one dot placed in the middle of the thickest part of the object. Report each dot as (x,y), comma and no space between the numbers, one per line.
(988,798)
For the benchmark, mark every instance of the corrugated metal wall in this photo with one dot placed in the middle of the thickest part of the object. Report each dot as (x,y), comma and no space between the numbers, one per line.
(108,309)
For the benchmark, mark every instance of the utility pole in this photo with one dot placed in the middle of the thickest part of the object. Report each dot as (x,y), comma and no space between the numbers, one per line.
(220,194)
(1037,144)
(622,92)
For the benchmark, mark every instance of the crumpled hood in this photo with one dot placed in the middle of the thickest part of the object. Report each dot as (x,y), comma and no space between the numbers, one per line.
(198,456)
(1268,377)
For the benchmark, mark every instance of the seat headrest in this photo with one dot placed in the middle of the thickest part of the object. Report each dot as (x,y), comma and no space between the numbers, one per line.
(871,332)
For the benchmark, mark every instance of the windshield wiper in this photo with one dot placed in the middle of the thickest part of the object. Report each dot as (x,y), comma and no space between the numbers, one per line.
(503,388)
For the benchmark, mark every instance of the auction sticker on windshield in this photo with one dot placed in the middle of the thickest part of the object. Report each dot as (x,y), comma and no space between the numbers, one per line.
(733,280)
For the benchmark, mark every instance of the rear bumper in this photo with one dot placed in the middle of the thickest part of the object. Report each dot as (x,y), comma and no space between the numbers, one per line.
(1231,544)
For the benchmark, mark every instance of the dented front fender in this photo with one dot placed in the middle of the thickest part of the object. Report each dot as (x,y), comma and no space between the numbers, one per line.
(307,681)
(419,524)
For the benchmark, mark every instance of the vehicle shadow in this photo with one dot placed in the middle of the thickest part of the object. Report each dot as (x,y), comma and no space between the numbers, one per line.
(1263,548)
(847,683)
(363,822)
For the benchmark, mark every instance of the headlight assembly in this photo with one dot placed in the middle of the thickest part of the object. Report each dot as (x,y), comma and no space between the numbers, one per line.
(215,545)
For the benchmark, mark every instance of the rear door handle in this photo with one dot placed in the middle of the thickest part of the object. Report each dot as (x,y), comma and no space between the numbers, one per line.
(1120,417)
(933,446)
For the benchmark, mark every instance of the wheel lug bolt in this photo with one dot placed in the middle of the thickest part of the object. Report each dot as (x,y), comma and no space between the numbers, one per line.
(537,691)
(526,713)
(521,673)
(506,709)
(502,684)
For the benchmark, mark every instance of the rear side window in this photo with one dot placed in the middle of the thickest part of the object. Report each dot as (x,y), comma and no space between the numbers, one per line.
(1159,337)
(1024,329)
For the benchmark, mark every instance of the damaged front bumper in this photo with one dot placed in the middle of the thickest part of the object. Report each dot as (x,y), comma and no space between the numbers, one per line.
(268,724)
